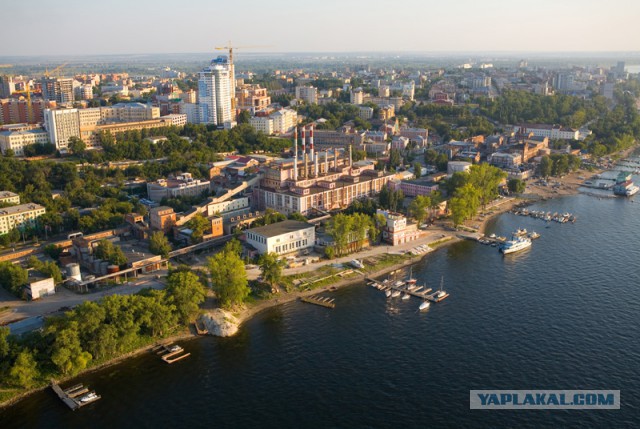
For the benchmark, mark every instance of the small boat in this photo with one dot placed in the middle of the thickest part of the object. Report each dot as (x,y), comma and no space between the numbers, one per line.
(356,264)
(406,296)
(88,397)
(425,304)
(533,235)
(395,294)
(388,293)
(175,348)
(441,294)
(411,280)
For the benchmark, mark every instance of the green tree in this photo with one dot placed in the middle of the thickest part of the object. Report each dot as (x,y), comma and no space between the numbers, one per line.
(24,371)
(107,251)
(159,245)
(198,225)
(516,186)
(272,268)
(187,293)
(418,208)
(545,168)
(67,353)
(243,117)
(228,278)
(13,277)
(417,170)
(485,179)
(76,146)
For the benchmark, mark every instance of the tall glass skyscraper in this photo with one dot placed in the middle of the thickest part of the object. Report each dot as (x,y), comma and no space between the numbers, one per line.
(214,92)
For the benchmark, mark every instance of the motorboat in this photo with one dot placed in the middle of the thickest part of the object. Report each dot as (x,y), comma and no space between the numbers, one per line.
(88,397)
(357,264)
(406,296)
(515,245)
(425,304)
(395,294)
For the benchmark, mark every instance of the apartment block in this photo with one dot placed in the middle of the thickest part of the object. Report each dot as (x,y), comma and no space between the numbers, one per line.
(20,216)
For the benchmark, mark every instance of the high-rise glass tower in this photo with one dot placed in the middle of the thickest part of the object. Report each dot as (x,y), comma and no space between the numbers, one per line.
(214,93)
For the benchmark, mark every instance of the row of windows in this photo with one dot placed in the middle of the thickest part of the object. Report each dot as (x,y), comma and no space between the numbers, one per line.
(291,246)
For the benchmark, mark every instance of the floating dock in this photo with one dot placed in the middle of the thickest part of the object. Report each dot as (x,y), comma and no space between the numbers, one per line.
(319,300)
(170,353)
(76,396)
(419,293)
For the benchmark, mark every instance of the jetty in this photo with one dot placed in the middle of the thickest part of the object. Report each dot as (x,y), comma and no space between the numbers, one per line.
(424,294)
(319,300)
(76,396)
(170,353)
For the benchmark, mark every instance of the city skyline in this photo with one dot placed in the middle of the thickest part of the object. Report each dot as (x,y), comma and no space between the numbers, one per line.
(357,26)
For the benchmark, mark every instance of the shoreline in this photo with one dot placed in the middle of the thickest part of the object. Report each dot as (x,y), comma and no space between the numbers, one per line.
(569,186)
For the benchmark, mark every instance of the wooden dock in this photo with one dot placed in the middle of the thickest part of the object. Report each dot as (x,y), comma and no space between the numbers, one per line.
(76,396)
(425,294)
(319,300)
(170,353)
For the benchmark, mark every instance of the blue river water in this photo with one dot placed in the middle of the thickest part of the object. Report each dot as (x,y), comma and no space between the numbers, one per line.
(563,314)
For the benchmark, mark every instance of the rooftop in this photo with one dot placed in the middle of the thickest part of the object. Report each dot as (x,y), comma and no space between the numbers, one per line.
(280,228)
(22,208)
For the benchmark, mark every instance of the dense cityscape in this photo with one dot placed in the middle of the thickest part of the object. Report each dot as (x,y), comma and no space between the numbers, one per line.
(147,203)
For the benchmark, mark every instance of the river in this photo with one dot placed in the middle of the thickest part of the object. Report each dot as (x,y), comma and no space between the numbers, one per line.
(563,314)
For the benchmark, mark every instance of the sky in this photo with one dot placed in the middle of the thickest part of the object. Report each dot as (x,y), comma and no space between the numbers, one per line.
(80,27)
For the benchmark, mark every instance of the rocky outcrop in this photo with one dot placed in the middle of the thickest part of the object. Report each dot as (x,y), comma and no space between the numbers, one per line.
(220,323)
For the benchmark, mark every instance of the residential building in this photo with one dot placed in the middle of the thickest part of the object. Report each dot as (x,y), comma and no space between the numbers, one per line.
(262,124)
(282,237)
(284,120)
(17,111)
(61,125)
(129,112)
(214,93)
(56,89)
(553,132)
(357,96)
(181,185)
(18,140)
(399,142)
(7,86)
(19,216)
(8,197)
(252,98)
(365,112)
(175,119)
(308,94)
(505,160)
(162,218)
(415,134)
(413,188)
(397,230)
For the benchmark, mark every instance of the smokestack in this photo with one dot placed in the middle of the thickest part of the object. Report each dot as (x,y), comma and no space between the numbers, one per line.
(295,154)
(350,157)
(326,162)
(335,158)
(317,172)
(304,144)
(306,166)
(311,143)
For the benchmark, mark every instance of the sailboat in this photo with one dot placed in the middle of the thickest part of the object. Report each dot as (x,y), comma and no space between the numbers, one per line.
(425,304)
(441,294)
(411,281)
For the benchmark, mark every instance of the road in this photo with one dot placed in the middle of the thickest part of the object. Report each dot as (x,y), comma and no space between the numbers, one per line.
(65,298)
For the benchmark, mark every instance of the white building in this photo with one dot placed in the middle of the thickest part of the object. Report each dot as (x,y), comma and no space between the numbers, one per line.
(308,94)
(365,112)
(214,93)
(18,140)
(61,125)
(176,119)
(8,197)
(182,185)
(357,96)
(227,206)
(283,237)
(457,166)
(553,132)
(284,120)
(192,111)
(19,216)
(40,287)
(262,124)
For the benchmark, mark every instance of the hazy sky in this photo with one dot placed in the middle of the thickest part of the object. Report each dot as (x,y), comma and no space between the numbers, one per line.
(70,27)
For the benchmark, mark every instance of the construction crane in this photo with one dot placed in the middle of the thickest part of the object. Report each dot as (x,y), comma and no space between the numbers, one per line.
(232,71)
(55,71)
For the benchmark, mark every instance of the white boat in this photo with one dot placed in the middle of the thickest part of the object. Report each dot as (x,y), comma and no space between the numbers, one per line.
(395,294)
(406,296)
(411,280)
(88,397)
(441,294)
(356,264)
(412,287)
(632,190)
(388,293)
(425,304)
(515,245)
(533,235)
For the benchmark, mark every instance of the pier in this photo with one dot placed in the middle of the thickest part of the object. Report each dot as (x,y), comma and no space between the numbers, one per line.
(319,300)
(76,396)
(424,294)
(170,353)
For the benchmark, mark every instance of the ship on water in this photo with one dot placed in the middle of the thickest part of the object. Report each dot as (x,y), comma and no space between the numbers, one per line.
(624,185)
